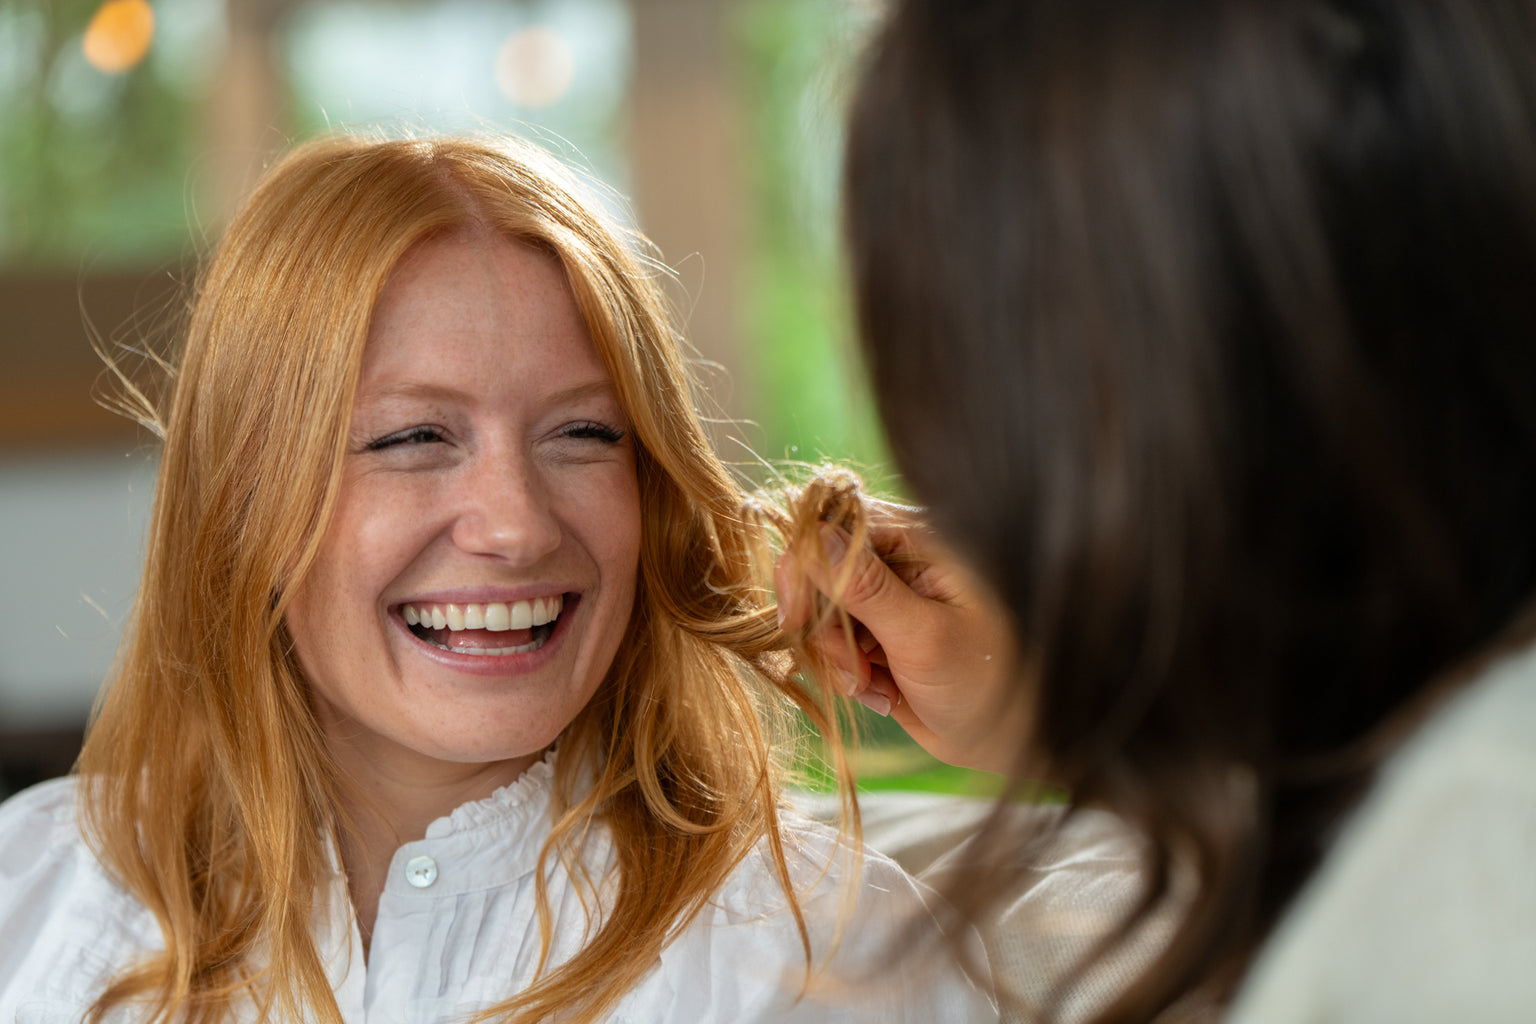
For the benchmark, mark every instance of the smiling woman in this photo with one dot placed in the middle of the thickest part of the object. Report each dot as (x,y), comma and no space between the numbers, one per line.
(434,502)
(509,495)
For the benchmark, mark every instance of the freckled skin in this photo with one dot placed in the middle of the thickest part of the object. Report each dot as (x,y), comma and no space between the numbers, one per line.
(476,464)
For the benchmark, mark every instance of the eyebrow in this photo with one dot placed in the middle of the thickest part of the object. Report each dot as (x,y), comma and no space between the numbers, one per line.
(595,388)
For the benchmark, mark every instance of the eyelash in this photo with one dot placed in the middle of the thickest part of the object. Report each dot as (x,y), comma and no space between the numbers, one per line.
(415,435)
(593,430)
(589,430)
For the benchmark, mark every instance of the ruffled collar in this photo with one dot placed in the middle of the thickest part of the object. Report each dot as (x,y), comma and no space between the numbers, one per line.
(481,844)
(530,790)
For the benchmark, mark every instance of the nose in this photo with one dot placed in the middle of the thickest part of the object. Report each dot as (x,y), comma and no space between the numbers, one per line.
(505,511)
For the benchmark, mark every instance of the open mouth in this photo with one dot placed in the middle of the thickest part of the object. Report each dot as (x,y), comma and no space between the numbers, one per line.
(486,630)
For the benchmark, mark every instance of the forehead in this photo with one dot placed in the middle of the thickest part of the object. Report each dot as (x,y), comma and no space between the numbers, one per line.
(477,309)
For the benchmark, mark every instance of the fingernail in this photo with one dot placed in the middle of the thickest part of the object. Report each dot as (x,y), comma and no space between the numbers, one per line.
(848,682)
(877,703)
(778,613)
(832,543)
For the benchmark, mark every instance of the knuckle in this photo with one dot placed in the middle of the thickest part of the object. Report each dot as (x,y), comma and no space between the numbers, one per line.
(866,580)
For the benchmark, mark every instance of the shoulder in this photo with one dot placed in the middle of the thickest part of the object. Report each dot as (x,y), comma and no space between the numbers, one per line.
(821,862)
(65,926)
(839,884)
(1425,908)
(37,828)
(861,912)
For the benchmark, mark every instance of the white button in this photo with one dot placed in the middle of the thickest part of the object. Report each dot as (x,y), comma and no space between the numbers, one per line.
(421,872)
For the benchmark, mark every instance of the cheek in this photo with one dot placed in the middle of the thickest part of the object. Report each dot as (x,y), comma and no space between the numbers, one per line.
(605,516)
(619,559)
(337,599)
(623,529)
(318,617)
(373,536)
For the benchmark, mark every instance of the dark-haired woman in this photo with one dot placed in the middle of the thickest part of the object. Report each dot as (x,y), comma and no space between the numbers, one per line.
(1207,332)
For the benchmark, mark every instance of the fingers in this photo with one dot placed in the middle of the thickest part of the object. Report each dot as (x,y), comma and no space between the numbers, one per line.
(902,538)
(867,587)
(794,592)
(859,668)
(874,594)
(881,695)
(924,639)
(862,584)
(850,663)
(895,533)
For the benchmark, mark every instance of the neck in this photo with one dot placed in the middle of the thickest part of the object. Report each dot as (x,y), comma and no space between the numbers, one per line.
(387,805)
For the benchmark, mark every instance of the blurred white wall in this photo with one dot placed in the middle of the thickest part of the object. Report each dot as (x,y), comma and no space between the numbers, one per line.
(71,541)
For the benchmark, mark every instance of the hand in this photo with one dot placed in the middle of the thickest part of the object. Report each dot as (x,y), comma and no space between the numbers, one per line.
(932,646)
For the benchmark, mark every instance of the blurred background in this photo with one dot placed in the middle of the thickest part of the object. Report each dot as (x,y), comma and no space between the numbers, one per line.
(129,130)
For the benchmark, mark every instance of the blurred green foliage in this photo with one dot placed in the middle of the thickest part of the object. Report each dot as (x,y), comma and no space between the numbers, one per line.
(884,758)
(95,165)
(796,58)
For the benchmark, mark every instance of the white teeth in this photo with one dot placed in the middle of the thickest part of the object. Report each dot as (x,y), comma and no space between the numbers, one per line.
(482,652)
(551,610)
(520,649)
(496,617)
(547,610)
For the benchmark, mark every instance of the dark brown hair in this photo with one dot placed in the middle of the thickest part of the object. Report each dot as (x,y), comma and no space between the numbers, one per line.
(1205,329)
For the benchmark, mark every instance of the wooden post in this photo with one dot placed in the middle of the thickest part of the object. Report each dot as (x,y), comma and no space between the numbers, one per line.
(685,139)
(245,124)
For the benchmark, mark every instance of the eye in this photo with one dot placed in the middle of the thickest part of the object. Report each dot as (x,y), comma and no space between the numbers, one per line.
(410,436)
(593,431)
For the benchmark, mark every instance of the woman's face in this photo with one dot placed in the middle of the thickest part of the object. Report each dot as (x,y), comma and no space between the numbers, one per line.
(479,572)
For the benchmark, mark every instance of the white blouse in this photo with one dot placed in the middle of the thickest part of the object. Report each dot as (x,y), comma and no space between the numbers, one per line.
(1424,911)
(457,930)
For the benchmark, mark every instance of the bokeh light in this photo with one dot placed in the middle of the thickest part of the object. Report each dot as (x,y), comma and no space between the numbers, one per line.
(119,35)
(535,67)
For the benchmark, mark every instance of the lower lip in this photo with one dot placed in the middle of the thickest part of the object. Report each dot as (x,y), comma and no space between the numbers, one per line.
(496,664)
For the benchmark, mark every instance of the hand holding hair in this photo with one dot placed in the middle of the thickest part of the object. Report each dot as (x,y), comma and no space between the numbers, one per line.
(929,645)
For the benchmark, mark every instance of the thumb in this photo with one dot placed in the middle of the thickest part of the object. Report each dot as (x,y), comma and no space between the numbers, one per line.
(861,582)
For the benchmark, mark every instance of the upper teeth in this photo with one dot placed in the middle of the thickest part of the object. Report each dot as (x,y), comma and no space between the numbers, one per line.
(496,617)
